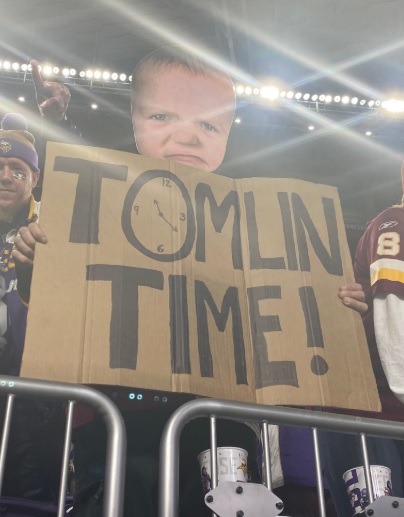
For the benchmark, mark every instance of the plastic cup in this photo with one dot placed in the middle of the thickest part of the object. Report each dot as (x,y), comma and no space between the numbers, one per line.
(231,466)
(355,485)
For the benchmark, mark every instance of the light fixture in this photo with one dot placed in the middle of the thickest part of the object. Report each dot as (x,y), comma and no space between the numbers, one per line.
(122,77)
(310,128)
(354,100)
(256,91)
(306,96)
(314,97)
(393,105)
(65,72)
(282,94)
(362,102)
(24,67)
(15,67)
(337,98)
(55,70)
(6,65)
(73,72)
(368,133)
(94,106)
(21,98)
(114,76)
(322,98)
(106,76)
(47,70)
(97,74)
(298,96)
(240,89)
(345,99)
(371,104)
(328,99)
(270,92)
(89,74)
(248,90)
(237,120)
(82,74)
(289,95)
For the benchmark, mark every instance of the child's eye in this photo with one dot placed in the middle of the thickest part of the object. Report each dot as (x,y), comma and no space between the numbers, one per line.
(208,127)
(160,116)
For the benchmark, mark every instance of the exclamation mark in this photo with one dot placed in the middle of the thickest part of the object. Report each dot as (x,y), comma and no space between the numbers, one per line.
(314,333)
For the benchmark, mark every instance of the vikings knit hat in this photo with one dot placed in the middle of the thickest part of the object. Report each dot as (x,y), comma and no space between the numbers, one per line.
(16,141)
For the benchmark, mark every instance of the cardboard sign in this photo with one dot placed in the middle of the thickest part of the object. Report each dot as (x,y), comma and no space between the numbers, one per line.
(160,276)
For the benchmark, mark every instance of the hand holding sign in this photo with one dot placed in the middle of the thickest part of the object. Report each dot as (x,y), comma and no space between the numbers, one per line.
(352,296)
(23,255)
(52,97)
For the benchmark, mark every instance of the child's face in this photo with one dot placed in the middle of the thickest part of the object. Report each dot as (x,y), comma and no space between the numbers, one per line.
(183,116)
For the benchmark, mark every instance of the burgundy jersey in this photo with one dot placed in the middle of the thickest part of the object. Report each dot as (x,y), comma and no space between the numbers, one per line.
(379,268)
(379,261)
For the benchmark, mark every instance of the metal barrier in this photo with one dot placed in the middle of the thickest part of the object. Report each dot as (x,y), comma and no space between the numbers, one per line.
(71,393)
(316,420)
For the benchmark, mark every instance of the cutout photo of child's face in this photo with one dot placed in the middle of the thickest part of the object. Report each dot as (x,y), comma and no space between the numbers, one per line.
(183,116)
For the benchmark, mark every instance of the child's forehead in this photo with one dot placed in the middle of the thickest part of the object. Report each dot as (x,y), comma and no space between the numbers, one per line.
(151,73)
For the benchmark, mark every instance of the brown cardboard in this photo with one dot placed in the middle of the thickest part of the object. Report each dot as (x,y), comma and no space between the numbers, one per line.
(88,316)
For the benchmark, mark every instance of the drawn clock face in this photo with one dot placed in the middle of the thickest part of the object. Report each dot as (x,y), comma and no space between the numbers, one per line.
(158,217)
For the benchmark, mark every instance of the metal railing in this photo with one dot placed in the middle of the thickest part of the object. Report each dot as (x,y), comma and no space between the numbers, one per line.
(13,387)
(316,420)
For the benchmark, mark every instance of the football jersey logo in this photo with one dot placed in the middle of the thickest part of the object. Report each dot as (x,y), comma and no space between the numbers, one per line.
(388,224)
(5,147)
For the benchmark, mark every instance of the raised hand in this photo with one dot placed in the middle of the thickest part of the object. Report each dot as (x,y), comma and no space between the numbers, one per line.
(52,97)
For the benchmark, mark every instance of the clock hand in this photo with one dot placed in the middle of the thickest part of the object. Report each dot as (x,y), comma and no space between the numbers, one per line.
(174,228)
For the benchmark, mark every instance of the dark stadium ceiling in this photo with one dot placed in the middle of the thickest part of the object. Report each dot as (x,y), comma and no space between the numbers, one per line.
(355,44)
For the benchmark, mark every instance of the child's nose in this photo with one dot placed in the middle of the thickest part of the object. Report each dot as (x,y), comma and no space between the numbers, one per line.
(185,134)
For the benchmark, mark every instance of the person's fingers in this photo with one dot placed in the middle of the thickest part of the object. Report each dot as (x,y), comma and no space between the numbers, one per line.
(356,305)
(36,77)
(21,260)
(36,231)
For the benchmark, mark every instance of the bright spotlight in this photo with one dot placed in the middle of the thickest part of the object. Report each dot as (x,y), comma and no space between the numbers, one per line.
(114,76)
(282,94)
(362,102)
(24,67)
(371,104)
(82,74)
(15,67)
(248,90)
(377,103)
(345,99)
(337,98)
(393,105)
(311,128)
(237,120)
(106,76)
(270,92)
(94,106)
(122,77)
(306,96)
(322,98)
(354,100)
(21,98)
(328,99)
(55,70)
(73,72)
(97,74)
(314,97)
(89,74)
(256,91)
(47,70)
(6,65)
(65,72)
(289,95)
(298,95)
(368,133)
(239,89)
